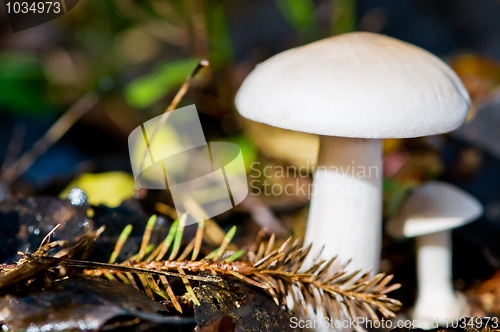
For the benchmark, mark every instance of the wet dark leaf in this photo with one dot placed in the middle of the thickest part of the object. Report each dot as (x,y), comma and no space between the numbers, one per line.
(251,309)
(225,324)
(84,304)
(26,221)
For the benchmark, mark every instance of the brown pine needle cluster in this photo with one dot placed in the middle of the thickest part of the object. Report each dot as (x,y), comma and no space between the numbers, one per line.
(278,271)
(30,266)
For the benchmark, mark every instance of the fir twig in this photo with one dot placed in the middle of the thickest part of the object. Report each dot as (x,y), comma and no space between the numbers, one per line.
(276,270)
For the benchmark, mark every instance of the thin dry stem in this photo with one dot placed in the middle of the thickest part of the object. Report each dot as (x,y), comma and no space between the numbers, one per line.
(55,132)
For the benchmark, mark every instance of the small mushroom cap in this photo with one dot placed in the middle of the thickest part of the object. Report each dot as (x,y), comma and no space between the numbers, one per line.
(359,84)
(434,207)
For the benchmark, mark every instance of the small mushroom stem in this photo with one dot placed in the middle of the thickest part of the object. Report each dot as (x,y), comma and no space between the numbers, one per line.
(436,300)
(346,202)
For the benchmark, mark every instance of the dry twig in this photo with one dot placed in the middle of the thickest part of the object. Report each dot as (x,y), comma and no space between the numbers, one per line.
(55,132)
(278,271)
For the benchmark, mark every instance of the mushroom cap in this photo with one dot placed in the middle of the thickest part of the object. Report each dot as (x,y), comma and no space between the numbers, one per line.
(434,207)
(359,84)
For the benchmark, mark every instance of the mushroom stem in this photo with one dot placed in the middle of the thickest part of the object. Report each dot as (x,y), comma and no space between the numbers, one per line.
(436,300)
(346,203)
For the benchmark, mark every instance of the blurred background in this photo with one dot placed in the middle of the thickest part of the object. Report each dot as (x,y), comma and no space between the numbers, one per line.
(136,54)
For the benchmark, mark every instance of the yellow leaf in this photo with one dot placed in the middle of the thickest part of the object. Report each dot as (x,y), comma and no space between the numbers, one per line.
(109,188)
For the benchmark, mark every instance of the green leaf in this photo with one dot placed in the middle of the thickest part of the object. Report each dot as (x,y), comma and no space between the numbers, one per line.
(148,89)
(299,13)
(344,20)
(394,195)
(22,84)
(248,149)
(219,38)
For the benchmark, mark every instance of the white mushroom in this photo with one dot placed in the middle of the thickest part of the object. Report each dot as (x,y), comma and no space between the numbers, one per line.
(353,90)
(429,214)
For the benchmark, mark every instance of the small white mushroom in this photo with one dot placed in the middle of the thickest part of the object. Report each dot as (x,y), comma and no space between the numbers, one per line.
(429,214)
(353,90)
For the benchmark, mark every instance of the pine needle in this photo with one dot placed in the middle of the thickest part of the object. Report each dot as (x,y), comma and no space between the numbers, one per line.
(234,256)
(178,237)
(170,293)
(227,239)
(198,239)
(119,244)
(168,240)
(147,236)
(188,288)
(149,248)
(275,270)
